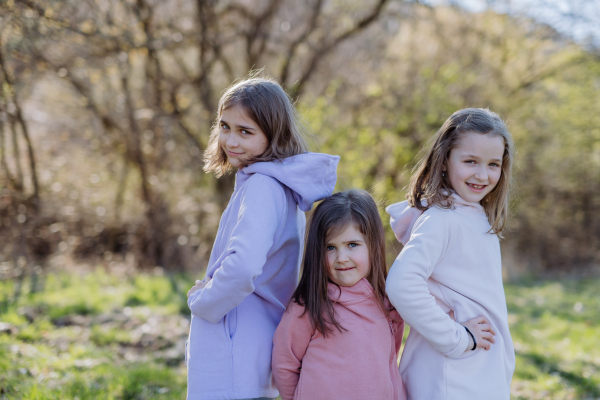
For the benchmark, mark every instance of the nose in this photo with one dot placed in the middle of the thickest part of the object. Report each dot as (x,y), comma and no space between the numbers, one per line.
(231,141)
(342,257)
(482,173)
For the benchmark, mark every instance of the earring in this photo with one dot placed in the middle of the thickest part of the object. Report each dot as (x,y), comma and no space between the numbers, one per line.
(443,174)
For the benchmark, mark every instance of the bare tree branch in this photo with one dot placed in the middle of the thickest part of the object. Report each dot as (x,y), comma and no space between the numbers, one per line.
(327,47)
(24,130)
(291,52)
(257,33)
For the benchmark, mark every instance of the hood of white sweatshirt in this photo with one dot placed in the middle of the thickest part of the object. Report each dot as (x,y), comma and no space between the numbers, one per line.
(403,216)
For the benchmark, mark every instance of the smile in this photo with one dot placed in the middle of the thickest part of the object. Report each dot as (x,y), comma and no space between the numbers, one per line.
(476,187)
(344,269)
(231,153)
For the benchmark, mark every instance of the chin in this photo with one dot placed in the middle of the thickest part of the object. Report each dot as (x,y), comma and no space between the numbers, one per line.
(234,163)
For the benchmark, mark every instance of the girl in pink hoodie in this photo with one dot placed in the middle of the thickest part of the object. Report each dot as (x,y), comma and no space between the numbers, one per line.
(339,337)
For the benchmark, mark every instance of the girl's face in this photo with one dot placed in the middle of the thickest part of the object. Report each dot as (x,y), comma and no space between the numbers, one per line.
(240,137)
(475,165)
(347,257)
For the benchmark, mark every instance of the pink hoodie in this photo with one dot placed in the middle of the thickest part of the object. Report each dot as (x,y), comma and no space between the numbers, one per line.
(359,363)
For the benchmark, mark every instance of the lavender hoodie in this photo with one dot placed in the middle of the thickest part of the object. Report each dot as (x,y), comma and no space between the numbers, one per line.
(254,267)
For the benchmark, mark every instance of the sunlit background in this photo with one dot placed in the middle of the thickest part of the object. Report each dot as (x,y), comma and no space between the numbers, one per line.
(106,217)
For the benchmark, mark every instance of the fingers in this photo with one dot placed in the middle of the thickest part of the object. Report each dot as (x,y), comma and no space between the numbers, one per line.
(489,337)
(482,330)
(483,324)
(199,285)
(486,327)
(484,344)
(451,315)
(192,290)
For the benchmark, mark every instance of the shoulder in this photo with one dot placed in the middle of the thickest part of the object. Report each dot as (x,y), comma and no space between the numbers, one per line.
(258,180)
(296,315)
(437,217)
(296,310)
(265,188)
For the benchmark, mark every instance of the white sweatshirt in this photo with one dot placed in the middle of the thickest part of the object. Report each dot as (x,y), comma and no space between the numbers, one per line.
(449,262)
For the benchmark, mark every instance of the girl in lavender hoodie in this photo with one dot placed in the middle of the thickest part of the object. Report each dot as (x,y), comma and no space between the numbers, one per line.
(254,265)
(339,338)
(449,269)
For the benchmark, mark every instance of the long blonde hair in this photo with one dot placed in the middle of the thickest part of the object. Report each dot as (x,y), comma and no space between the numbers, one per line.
(430,184)
(270,107)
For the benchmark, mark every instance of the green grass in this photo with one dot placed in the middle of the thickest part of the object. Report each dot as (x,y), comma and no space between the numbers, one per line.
(98,336)
(95,337)
(555,329)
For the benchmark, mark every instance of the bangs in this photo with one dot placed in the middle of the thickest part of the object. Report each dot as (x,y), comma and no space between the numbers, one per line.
(339,225)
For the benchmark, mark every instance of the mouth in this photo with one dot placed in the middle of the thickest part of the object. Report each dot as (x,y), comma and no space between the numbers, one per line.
(476,188)
(344,269)
(232,154)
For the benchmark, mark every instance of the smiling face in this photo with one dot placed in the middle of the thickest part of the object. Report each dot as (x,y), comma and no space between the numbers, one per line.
(240,137)
(347,256)
(474,165)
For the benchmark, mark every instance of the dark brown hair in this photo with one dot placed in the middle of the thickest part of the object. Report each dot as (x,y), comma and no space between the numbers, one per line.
(270,107)
(429,183)
(330,218)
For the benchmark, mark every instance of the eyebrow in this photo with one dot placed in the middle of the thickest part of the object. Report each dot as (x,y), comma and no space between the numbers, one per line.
(350,241)
(247,128)
(497,160)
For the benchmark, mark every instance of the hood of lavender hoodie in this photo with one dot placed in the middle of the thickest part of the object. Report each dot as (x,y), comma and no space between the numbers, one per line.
(310,176)
(254,267)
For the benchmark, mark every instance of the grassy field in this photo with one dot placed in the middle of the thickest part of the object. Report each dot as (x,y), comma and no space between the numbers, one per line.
(98,336)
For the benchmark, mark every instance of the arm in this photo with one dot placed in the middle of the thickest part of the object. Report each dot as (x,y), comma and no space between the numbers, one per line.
(289,346)
(261,214)
(407,289)
(398,325)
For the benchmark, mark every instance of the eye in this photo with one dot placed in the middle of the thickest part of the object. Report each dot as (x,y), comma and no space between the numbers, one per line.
(245,132)
(352,244)
(224,126)
(495,165)
(470,162)
(329,248)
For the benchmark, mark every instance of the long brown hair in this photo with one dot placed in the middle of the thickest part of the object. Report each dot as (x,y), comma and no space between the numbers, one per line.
(270,107)
(429,183)
(331,217)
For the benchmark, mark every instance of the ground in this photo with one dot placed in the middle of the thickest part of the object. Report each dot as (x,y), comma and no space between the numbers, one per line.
(103,336)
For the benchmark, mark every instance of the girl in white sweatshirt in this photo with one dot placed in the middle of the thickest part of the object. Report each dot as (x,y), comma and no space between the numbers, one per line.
(450,269)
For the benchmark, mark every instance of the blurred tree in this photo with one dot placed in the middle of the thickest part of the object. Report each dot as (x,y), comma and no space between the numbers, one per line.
(149,75)
(543,84)
(111,103)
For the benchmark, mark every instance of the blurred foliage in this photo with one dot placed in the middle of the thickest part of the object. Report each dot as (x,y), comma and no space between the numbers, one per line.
(106,107)
(116,351)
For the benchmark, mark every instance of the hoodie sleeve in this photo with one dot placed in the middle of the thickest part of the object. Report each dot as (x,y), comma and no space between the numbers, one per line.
(262,211)
(289,346)
(407,289)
